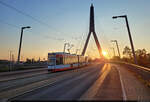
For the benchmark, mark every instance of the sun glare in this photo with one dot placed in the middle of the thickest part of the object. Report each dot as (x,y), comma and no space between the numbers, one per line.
(104,53)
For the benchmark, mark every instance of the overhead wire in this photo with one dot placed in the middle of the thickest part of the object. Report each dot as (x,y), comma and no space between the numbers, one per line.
(17,27)
(12,25)
(29,16)
(37,20)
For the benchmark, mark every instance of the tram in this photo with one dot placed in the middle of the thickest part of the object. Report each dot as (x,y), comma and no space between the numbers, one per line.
(60,61)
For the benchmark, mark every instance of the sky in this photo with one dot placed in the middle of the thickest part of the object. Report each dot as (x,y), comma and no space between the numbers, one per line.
(55,22)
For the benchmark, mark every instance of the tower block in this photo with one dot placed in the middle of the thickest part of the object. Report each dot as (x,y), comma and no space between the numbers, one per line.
(92,30)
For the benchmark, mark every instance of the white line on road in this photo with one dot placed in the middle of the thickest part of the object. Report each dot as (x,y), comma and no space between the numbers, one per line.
(122,86)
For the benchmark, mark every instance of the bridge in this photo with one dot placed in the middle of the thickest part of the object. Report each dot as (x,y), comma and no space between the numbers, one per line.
(101,80)
(97,81)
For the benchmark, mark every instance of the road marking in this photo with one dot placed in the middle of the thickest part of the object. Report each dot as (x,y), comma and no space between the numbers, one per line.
(122,86)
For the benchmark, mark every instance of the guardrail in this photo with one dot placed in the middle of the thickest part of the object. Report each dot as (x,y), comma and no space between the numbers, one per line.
(142,72)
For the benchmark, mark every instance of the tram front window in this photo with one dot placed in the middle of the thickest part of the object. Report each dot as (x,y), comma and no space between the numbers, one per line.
(51,62)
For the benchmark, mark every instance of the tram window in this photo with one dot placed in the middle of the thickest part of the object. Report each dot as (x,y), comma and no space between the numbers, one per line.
(59,60)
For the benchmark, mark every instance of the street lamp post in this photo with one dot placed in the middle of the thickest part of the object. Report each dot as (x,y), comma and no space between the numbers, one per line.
(113,50)
(21,41)
(130,38)
(117,47)
(10,60)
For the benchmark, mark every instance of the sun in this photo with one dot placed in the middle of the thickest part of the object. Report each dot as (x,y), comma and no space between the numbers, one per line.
(104,53)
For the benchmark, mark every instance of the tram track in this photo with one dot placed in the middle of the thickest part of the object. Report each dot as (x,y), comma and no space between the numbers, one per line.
(64,78)
(28,76)
(20,89)
(27,80)
(13,84)
(4,77)
(21,71)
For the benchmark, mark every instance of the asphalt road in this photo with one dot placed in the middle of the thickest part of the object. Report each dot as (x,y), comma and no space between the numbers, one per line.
(97,82)
(7,76)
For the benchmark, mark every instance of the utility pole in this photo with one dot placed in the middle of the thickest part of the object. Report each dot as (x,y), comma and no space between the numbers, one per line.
(12,61)
(117,46)
(21,42)
(129,33)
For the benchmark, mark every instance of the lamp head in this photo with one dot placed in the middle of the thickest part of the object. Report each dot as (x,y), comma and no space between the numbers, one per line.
(26,27)
(114,17)
(113,40)
(122,16)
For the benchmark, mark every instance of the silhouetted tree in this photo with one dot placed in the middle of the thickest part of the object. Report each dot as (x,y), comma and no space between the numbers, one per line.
(148,56)
(28,61)
(141,53)
(143,58)
(33,60)
(116,58)
(127,52)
